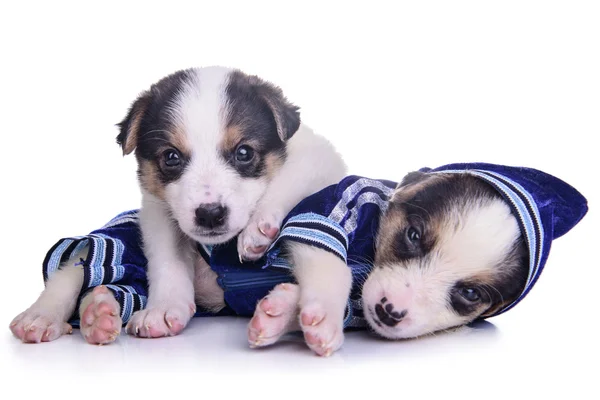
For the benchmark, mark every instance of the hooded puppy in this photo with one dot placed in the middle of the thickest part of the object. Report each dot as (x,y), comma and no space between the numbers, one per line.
(462,242)
(440,249)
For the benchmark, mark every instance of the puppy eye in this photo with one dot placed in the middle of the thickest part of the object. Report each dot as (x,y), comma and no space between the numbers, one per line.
(171,158)
(413,234)
(470,294)
(244,154)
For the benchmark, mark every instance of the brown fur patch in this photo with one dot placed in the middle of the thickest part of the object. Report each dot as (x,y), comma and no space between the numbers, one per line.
(394,222)
(273,163)
(232,138)
(180,141)
(149,176)
(132,135)
(130,126)
(409,191)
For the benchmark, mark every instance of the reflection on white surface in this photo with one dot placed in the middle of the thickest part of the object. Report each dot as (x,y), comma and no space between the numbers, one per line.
(210,341)
(213,351)
(218,346)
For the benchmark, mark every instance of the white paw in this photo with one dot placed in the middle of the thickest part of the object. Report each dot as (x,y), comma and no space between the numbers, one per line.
(275,315)
(261,231)
(37,325)
(100,319)
(323,328)
(160,321)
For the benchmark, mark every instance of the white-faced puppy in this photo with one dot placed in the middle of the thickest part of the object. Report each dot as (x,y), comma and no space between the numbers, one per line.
(439,250)
(220,154)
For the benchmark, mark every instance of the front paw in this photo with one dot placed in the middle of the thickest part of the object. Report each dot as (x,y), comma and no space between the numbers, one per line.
(323,328)
(261,231)
(38,325)
(275,315)
(160,321)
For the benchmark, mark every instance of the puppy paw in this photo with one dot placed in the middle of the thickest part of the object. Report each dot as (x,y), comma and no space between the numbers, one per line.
(275,315)
(155,322)
(37,325)
(323,330)
(100,319)
(255,239)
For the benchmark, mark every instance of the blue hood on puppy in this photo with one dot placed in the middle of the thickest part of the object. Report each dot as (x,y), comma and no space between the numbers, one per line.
(545,207)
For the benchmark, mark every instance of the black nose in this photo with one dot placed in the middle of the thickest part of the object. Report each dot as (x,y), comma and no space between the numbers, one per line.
(210,215)
(387,315)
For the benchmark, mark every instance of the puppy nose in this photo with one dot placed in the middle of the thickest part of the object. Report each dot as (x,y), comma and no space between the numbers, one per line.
(210,215)
(386,314)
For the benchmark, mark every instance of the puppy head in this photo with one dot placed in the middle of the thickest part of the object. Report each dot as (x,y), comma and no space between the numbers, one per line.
(448,251)
(207,142)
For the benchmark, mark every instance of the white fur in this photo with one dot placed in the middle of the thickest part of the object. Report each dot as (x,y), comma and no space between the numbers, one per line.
(325,282)
(471,242)
(177,281)
(201,111)
(170,270)
(311,165)
(46,318)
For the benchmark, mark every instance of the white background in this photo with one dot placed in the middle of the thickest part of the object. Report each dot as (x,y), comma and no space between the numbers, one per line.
(395,88)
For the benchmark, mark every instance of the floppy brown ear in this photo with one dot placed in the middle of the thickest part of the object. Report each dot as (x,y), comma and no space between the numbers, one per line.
(130,126)
(286,114)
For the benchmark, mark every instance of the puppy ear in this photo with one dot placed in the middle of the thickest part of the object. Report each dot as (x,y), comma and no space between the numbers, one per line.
(412,178)
(130,126)
(286,114)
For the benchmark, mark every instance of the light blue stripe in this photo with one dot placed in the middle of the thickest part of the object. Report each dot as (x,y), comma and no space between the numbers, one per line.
(279,263)
(54,261)
(207,248)
(78,248)
(127,302)
(315,236)
(121,221)
(96,268)
(117,257)
(127,216)
(341,208)
(349,312)
(525,217)
(536,215)
(367,197)
(319,219)
(521,209)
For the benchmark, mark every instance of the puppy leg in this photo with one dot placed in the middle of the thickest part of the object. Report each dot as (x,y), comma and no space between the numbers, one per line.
(325,282)
(46,319)
(311,165)
(275,315)
(100,318)
(170,274)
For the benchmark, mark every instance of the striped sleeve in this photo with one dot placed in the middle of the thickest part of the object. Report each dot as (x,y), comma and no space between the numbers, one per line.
(114,259)
(316,230)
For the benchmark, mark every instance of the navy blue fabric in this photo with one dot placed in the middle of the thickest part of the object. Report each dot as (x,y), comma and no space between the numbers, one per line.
(115,259)
(342,219)
(549,204)
(345,215)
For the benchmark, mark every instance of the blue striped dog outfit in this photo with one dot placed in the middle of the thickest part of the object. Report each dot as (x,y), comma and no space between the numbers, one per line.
(342,219)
